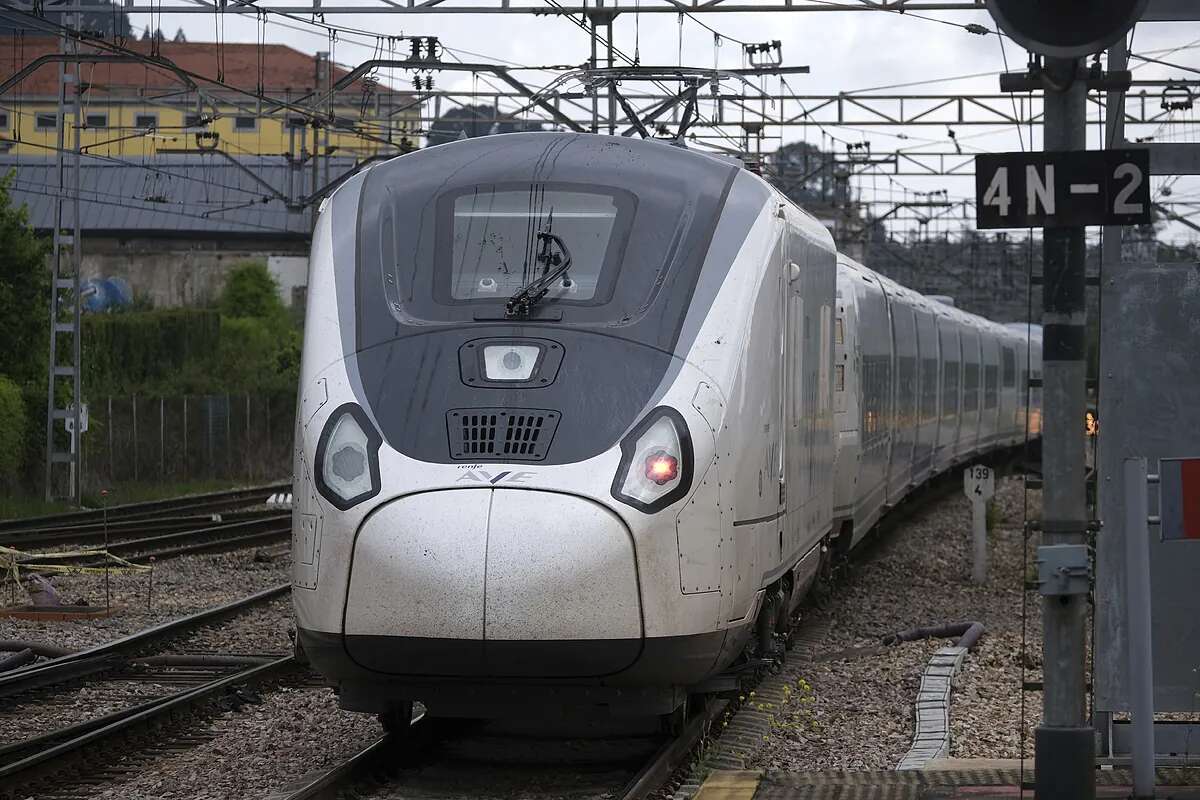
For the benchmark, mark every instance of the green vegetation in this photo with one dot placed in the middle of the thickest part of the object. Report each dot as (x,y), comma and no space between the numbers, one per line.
(13,426)
(24,295)
(994,516)
(247,344)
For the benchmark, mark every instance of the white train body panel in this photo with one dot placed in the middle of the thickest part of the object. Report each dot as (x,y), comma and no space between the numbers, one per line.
(606,527)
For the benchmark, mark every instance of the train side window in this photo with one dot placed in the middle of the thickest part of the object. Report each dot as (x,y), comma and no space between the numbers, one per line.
(989,386)
(839,377)
(838,335)
(950,389)
(1010,368)
(971,388)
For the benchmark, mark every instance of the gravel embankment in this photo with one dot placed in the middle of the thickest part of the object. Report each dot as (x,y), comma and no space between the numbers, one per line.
(182,586)
(255,750)
(858,713)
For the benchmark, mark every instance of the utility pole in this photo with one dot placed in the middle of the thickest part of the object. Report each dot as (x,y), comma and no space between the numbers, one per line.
(1064,744)
(1062,32)
(65,375)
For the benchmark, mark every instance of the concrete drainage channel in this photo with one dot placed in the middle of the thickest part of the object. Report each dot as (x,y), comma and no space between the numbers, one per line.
(932,708)
(932,738)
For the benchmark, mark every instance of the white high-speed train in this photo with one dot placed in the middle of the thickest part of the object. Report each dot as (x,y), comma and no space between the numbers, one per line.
(581,416)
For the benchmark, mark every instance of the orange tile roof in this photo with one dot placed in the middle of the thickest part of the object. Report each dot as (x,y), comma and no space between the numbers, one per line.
(243,65)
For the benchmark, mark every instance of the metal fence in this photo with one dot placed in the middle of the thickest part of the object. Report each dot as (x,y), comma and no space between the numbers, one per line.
(193,437)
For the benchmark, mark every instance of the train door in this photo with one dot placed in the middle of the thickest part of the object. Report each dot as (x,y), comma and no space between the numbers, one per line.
(904,339)
(950,348)
(927,416)
(874,336)
(968,438)
(798,460)
(757,408)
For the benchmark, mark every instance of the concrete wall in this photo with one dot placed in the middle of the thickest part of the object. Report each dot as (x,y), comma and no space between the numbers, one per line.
(190,272)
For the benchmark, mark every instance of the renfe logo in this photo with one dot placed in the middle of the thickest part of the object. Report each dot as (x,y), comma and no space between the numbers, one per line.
(483,476)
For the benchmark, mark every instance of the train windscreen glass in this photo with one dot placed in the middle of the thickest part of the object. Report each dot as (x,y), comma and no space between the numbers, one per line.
(494,240)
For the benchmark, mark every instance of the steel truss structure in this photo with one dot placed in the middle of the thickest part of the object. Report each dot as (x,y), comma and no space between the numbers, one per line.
(1157,11)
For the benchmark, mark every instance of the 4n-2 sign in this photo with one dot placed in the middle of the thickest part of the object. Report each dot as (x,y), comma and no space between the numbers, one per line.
(1051,190)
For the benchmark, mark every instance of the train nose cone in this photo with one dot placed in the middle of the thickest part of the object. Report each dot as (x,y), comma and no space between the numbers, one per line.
(494,582)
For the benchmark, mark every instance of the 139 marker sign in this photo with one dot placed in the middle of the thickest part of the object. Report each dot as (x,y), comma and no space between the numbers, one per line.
(1062,189)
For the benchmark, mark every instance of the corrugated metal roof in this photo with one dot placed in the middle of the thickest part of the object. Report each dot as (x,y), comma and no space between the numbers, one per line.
(199,194)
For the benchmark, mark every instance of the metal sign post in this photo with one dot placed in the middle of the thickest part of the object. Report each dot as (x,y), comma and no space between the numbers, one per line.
(1064,745)
(1139,620)
(1086,187)
(979,485)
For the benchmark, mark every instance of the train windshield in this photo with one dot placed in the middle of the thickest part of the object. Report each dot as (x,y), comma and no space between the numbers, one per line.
(448,235)
(494,241)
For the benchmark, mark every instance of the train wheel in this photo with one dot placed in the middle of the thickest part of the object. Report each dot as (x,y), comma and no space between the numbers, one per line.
(398,720)
(673,723)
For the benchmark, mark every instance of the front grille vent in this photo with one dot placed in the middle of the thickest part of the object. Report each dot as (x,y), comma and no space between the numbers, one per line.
(500,434)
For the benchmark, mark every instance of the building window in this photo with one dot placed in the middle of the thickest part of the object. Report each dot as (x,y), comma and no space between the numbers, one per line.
(149,121)
(296,122)
(96,121)
(3,121)
(193,121)
(46,122)
(245,123)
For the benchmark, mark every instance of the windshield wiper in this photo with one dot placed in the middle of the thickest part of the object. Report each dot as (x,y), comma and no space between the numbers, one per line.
(554,266)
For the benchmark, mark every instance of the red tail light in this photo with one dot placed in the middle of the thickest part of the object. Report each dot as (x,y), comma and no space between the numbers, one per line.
(662,467)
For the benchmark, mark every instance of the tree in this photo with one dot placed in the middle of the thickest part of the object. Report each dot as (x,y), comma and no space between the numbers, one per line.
(251,291)
(103,18)
(471,121)
(803,172)
(24,295)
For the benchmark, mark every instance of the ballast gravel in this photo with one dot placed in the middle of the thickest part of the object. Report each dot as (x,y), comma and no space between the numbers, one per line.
(851,703)
(180,586)
(254,751)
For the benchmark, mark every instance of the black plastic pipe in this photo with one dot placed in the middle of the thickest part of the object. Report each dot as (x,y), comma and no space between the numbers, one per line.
(968,634)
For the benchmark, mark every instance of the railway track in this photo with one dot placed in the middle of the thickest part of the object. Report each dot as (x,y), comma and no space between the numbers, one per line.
(443,759)
(115,654)
(153,694)
(117,530)
(152,509)
(63,762)
(260,529)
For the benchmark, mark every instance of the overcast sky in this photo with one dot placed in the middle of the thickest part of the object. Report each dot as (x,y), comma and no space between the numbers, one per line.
(847,51)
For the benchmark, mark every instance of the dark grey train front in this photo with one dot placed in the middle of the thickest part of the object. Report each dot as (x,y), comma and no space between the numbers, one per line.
(565,424)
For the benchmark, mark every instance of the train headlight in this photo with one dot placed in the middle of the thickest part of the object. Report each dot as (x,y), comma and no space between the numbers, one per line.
(656,462)
(510,362)
(348,458)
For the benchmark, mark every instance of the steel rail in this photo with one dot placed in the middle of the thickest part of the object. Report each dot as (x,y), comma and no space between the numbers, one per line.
(325,783)
(40,537)
(672,755)
(104,656)
(223,544)
(14,751)
(149,508)
(270,520)
(146,713)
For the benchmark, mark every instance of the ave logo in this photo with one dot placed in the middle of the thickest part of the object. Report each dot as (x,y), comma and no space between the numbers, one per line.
(483,476)
(1053,190)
